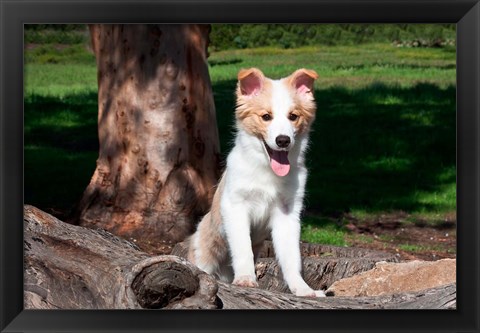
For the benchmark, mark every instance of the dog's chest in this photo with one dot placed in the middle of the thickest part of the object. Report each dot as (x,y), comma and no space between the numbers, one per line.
(261,198)
(259,204)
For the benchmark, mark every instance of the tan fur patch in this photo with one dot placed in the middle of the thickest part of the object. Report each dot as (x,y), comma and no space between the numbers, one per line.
(250,110)
(305,109)
(213,248)
(305,106)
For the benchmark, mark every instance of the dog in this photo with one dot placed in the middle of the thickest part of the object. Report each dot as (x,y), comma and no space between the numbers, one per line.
(261,192)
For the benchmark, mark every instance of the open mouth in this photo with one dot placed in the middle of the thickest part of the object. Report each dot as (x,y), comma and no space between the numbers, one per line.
(278,160)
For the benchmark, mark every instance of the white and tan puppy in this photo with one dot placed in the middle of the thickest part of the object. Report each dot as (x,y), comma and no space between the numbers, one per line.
(261,192)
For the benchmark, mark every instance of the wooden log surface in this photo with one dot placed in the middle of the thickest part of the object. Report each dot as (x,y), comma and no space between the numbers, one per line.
(72,267)
(233,297)
(322,264)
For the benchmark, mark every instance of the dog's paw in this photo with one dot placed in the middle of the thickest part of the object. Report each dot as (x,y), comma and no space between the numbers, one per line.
(245,281)
(308,292)
(320,293)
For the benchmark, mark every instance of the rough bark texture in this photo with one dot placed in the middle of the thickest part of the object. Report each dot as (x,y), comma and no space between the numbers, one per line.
(159,151)
(322,264)
(233,297)
(71,267)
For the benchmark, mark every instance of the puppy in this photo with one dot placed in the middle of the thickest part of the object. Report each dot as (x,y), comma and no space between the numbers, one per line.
(261,191)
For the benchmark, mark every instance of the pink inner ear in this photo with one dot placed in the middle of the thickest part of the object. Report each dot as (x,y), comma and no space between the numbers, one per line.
(303,89)
(250,85)
(304,83)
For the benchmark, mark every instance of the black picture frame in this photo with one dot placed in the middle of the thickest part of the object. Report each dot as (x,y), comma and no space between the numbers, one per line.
(14,14)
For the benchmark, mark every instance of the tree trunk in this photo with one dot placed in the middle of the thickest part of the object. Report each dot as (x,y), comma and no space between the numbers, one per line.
(71,267)
(159,151)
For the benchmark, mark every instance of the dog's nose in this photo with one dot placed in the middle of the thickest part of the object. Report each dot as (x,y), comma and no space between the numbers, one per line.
(282,141)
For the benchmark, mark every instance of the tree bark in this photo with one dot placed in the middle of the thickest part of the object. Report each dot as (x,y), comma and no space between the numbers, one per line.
(233,297)
(71,267)
(322,264)
(159,151)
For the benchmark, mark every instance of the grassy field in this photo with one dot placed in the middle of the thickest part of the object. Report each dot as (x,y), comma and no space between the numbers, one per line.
(384,139)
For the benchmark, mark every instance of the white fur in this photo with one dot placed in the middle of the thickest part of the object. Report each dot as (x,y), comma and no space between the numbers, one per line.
(255,202)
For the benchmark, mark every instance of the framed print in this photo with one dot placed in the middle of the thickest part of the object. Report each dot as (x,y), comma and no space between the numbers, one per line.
(359,150)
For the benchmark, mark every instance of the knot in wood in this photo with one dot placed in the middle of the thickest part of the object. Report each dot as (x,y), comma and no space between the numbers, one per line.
(171,70)
(164,283)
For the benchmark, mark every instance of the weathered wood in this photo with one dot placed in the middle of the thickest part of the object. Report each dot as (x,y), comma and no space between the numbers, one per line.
(234,297)
(72,267)
(322,264)
(171,284)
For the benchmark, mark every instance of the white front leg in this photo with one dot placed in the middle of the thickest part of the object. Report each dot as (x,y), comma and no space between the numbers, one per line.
(286,242)
(237,229)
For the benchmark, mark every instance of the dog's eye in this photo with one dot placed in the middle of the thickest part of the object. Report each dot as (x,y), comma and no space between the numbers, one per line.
(292,116)
(267,117)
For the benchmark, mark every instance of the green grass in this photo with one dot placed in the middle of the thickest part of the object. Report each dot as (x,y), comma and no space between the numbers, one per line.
(59,81)
(424,248)
(323,231)
(362,238)
(383,140)
(59,54)
(346,66)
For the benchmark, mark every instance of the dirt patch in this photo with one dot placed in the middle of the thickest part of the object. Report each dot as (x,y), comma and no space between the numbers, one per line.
(408,240)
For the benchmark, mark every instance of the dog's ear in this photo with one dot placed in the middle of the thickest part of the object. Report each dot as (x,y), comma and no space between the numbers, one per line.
(302,80)
(250,81)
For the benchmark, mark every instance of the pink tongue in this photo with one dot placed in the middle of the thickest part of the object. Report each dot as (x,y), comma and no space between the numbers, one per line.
(279,163)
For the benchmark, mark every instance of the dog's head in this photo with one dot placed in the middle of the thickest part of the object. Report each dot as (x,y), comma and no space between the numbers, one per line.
(276,111)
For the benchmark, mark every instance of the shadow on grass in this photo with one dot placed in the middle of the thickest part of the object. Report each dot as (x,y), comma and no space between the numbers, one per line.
(61,147)
(399,66)
(375,148)
(214,63)
(68,123)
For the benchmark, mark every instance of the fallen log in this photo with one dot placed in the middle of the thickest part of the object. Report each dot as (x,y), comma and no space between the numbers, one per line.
(72,267)
(233,297)
(322,264)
